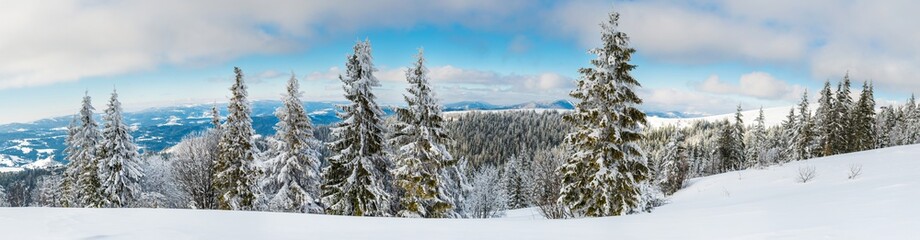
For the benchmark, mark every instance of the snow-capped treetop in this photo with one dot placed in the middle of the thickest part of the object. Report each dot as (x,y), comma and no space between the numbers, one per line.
(119,172)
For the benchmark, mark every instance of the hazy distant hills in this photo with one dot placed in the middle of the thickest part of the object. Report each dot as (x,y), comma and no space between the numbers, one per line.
(40,143)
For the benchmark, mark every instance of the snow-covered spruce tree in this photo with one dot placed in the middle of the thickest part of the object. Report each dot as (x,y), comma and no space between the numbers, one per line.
(825,122)
(292,174)
(4,199)
(357,180)
(453,186)
(47,193)
(518,183)
(757,146)
(804,132)
(603,175)
(86,140)
(724,147)
(731,144)
(460,187)
(738,137)
(787,137)
(675,164)
(71,171)
(119,173)
(911,112)
(215,118)
(907,128)
(885,123)
(233,169)
(843,129)
(422,152)
(864,133)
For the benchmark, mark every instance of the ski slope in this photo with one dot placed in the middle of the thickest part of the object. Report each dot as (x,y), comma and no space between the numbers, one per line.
(767,203)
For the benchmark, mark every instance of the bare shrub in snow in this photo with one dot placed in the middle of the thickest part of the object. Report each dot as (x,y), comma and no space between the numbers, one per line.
(855,171)
(546,182)
(487,198)
(807,173)
(193,160)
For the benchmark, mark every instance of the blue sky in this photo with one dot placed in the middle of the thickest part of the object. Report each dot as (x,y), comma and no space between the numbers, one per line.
(696,56)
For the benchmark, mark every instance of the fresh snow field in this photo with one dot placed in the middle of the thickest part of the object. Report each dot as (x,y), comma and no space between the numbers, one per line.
(772,117)
(768,203)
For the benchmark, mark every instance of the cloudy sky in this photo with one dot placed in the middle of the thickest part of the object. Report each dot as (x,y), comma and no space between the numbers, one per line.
(693,56)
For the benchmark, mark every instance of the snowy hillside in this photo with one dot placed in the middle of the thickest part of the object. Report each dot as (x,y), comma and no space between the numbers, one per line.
(768,203)
(772,117)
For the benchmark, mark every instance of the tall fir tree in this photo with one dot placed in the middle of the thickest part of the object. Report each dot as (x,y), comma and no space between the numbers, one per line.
(215,118)
(731,144)
(86,141)
(72,171)
(293,177)
(908,129)
(757,147)
(517,183)
(603,176)
(885,124)
(234,167)
(864,120)
(119,172)
(804,132)
(843,127)
(738,139)
(825,122)
(787,137)
(422,151)
(357,180)
(675,164)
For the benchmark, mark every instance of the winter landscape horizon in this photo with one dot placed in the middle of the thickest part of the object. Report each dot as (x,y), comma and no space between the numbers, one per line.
(406,119)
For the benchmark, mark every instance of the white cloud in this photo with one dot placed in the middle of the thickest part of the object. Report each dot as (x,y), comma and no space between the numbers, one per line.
(671,99)
(471,78)
(873,40)
(676,32)
(330,74)
(519,44)
(45,42)
(756,84)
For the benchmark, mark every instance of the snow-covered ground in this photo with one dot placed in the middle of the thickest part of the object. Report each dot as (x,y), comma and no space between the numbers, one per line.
(772,117)
(770,203)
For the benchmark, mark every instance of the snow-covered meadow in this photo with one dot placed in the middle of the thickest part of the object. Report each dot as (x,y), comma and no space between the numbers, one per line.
(770,203)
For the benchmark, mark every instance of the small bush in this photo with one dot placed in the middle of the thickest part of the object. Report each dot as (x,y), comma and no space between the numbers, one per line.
(807,173)
(855,171)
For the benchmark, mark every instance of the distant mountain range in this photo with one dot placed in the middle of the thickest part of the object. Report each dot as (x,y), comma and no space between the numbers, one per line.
(39,143)
(468,105)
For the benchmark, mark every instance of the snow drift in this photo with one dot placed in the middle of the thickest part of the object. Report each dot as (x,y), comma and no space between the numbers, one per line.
(770,203)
